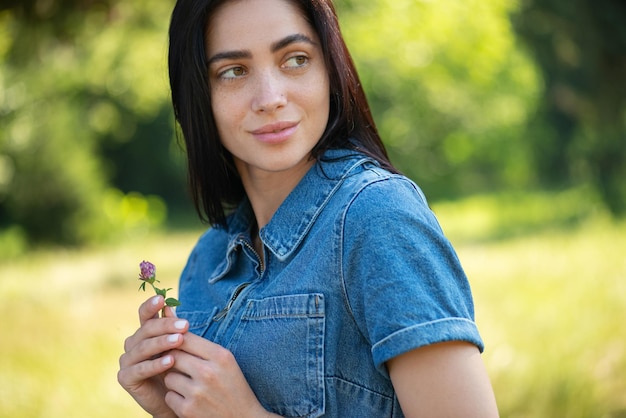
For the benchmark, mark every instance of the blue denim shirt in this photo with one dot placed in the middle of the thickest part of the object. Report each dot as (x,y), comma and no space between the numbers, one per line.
(356,272)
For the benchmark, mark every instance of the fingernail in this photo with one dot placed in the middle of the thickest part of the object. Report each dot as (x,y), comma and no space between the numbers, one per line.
(180,324)
(166,361)
(172,338)
(155,300)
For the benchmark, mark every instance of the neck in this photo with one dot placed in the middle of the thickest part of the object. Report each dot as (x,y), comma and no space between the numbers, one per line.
(267,190)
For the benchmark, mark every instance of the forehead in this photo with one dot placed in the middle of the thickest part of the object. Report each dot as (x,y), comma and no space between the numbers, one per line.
(240,24)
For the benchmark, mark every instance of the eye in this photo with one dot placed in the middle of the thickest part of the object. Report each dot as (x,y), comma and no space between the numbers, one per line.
(296,61)
(233,72)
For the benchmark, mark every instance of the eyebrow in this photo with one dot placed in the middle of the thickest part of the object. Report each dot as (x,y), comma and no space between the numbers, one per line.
(291,39)
(275,46)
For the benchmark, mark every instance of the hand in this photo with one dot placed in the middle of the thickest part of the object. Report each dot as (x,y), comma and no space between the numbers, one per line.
(146,356)
(207,382)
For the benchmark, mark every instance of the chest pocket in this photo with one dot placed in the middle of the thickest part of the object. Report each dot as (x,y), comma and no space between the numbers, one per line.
(279,345)
(199,321)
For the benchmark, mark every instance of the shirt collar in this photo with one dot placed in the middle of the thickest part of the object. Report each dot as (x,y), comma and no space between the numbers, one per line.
(296,215)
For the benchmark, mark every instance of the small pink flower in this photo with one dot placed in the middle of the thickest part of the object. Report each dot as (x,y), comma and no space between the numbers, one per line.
(147,274)
(147,271)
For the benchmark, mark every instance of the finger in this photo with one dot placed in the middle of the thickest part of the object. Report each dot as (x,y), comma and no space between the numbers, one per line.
(155,328)
(169,312)
(190,365)
(203,363)
(177,381)
(202,348)
(137,373)
(150,308)
(148,348)
(176,403)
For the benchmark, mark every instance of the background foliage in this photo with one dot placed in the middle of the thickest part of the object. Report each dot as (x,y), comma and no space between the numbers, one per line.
(470,96)
(579,130)
(86,149)
(450,90)
(509,113)
(550,302)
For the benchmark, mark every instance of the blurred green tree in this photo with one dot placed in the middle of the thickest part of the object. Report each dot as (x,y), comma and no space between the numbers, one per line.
(579,132)
(449,88)
(446,82)
(86,144)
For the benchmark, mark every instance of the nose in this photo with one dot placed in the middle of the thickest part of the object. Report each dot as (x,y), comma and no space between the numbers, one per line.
(269,94)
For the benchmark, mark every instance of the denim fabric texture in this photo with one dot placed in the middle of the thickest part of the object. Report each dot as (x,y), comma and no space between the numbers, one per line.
(357,271)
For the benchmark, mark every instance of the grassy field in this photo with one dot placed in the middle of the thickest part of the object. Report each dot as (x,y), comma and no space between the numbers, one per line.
(549,282)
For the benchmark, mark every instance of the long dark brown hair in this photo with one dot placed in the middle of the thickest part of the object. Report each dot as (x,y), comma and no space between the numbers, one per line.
(213,180)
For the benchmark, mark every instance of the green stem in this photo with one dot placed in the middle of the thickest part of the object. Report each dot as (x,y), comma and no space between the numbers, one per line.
(162,293)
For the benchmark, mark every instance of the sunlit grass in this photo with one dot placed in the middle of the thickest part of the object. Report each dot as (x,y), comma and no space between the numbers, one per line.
(551,307)
(550,303)
(66,315)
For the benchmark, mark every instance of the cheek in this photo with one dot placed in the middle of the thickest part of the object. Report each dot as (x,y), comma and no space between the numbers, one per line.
(323,88)
(320,97)
(225,111)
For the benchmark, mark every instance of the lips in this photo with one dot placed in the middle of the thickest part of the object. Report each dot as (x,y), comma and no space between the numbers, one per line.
(275,132)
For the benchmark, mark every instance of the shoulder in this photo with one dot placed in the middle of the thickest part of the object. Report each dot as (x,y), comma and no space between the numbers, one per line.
(209,250)
(214,236)
(388,226)
(378,196)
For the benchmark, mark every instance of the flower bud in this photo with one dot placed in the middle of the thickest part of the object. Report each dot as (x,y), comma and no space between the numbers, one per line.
(147,271)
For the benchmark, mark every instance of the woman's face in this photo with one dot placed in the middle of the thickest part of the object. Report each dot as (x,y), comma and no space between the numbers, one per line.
(269,85)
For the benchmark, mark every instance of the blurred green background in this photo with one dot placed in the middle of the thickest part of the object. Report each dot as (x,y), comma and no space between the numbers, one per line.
(510,114)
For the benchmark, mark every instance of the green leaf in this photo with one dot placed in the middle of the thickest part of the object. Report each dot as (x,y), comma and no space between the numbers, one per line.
(161,292)
(142,286)
(172,302)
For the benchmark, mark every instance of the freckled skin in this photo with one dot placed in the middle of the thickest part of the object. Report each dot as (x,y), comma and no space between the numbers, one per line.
(273,72)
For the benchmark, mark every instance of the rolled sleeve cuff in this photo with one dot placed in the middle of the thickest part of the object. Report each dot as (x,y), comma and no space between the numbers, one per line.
(407,339)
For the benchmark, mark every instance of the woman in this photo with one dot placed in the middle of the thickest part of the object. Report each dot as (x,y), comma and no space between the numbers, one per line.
(325,287)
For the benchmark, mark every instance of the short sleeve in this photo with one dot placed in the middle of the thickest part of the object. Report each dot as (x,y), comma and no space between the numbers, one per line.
(403,281)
